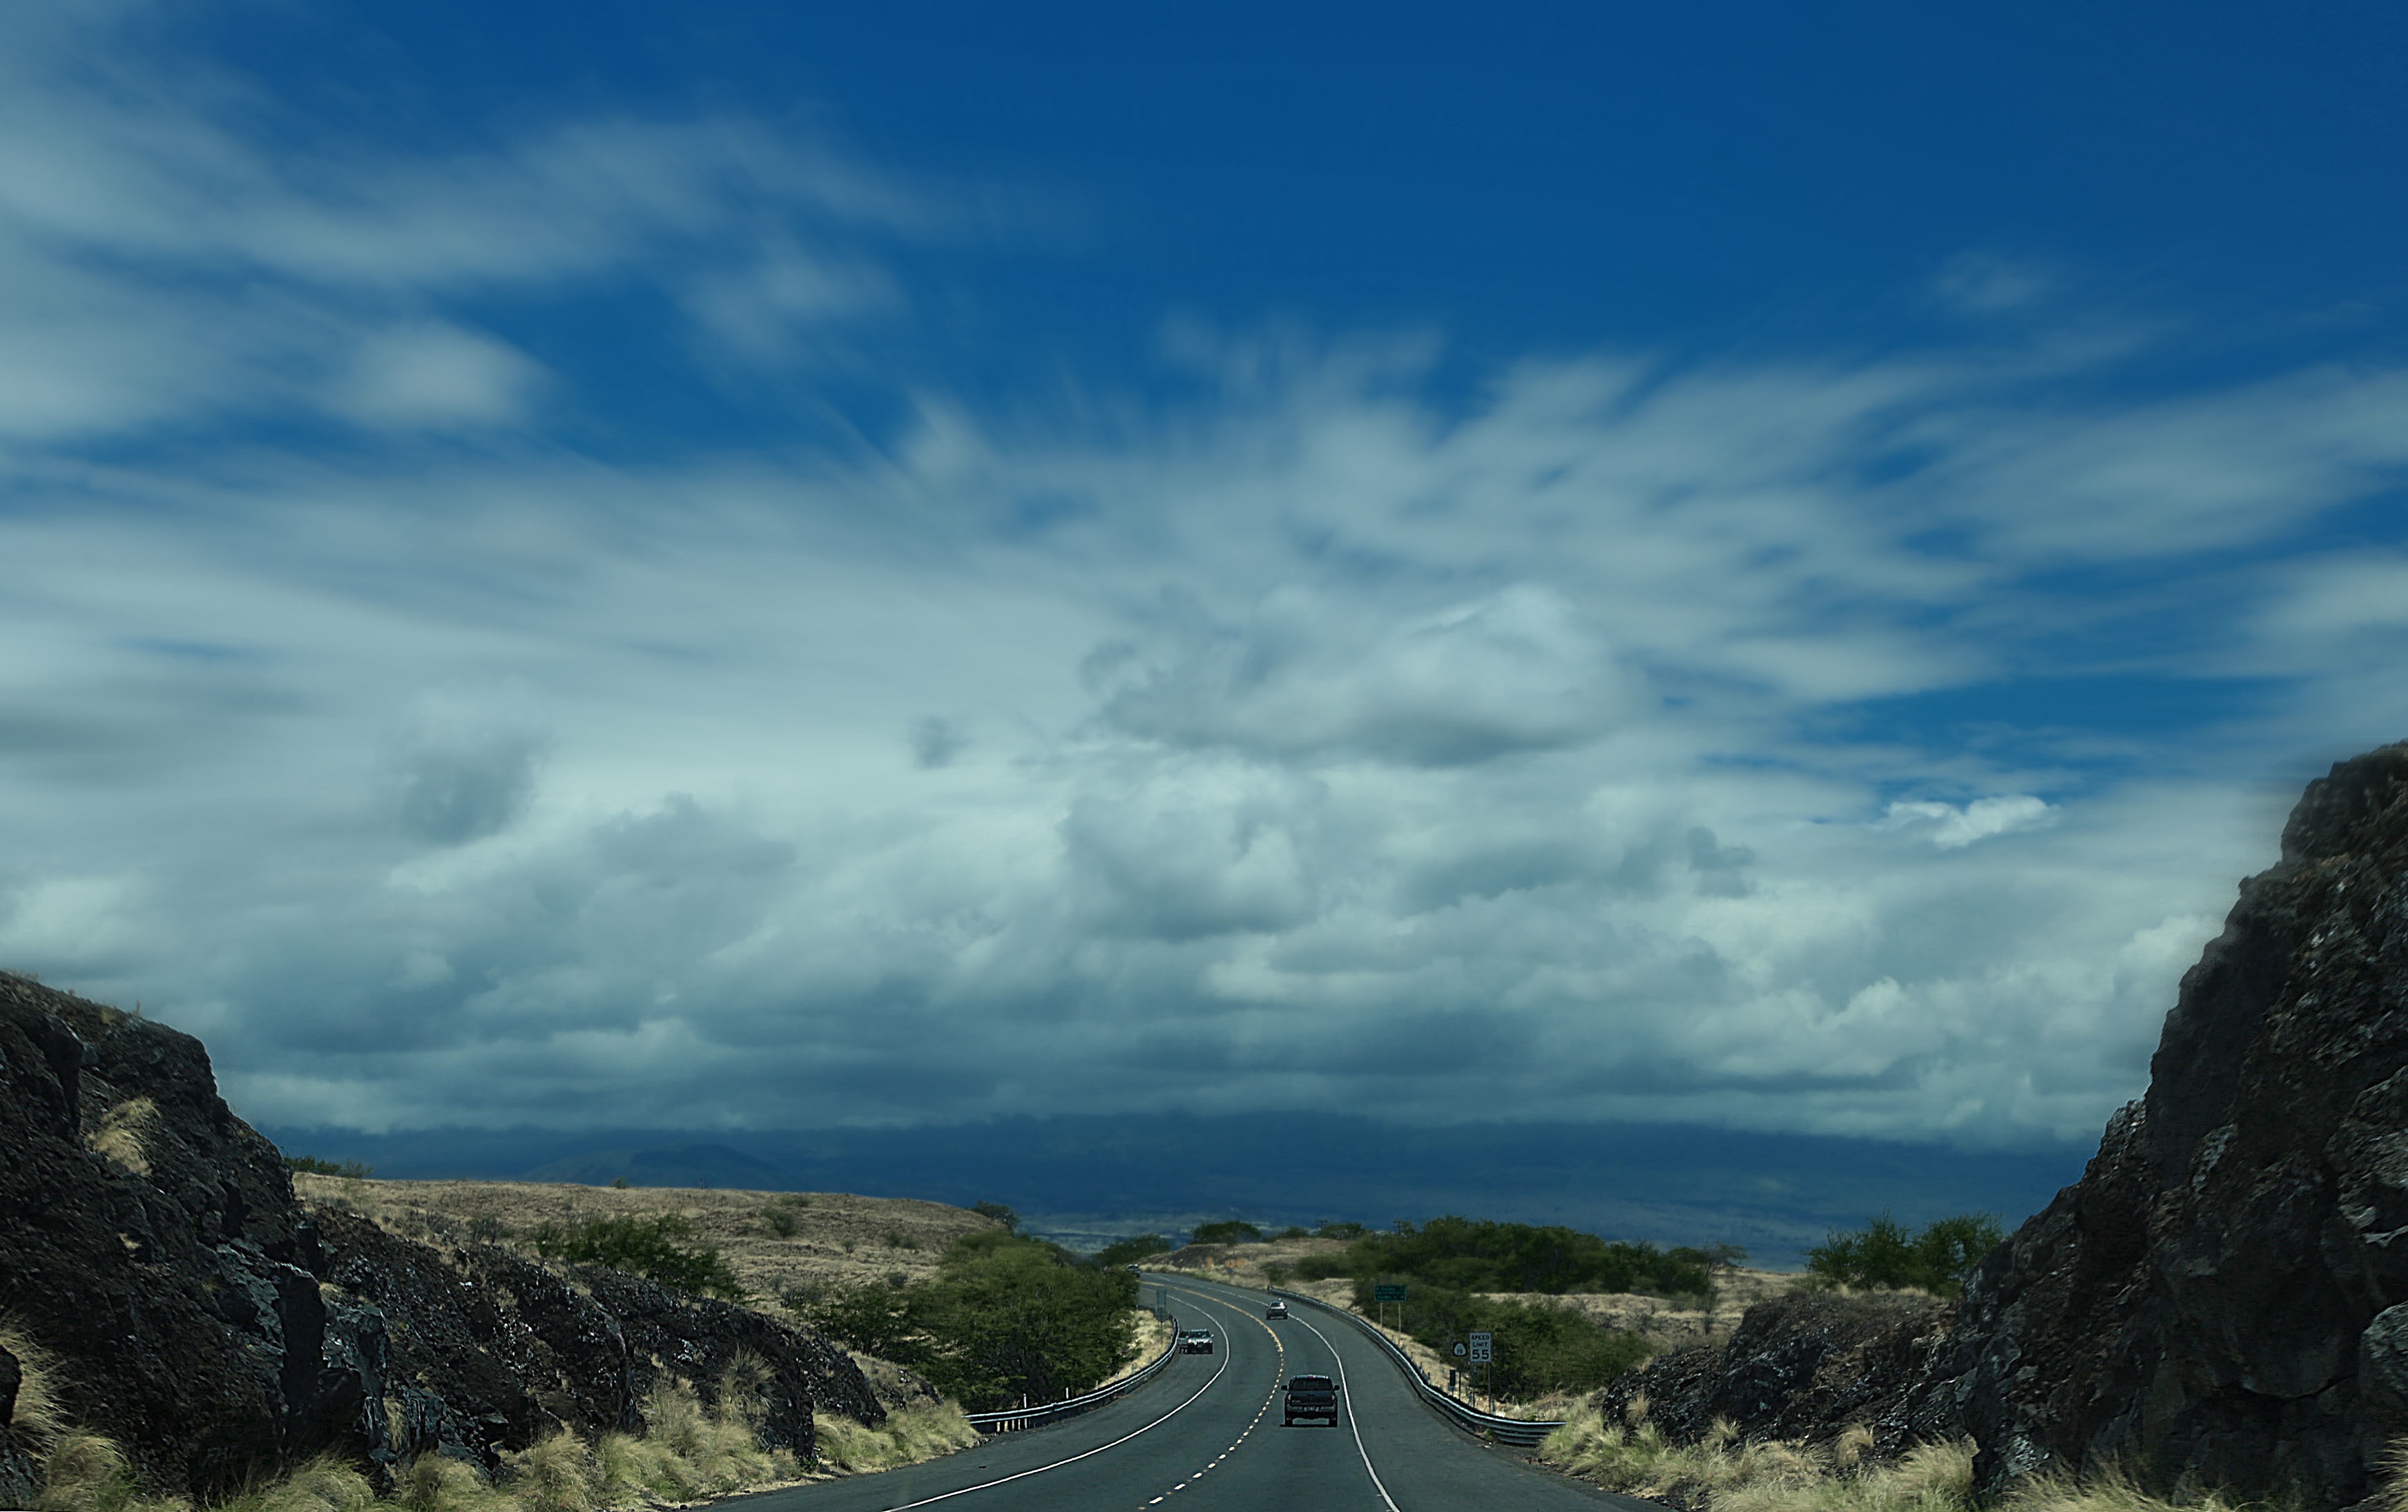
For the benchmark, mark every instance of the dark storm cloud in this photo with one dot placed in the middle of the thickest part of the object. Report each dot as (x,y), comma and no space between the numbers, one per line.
(454,793)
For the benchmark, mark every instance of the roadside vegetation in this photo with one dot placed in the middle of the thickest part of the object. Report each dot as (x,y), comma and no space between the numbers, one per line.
(1131,1250)
(687,1453)
(1005,1317)
(1227,1230)
(1540,1349)
(1446,1263)
(660,1249)
(1461,1254)
(1939,1259)
(1725,1473)
(311,1165)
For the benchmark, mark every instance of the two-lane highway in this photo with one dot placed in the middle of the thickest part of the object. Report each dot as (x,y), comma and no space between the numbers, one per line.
(1206,1436)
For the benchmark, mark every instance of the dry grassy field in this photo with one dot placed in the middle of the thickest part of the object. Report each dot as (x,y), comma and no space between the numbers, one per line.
(771,1239)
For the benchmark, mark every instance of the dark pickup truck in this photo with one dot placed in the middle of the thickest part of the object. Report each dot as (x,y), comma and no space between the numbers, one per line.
(1312,1396)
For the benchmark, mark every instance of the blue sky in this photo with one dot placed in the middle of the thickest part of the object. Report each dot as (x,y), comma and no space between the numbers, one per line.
(613,566)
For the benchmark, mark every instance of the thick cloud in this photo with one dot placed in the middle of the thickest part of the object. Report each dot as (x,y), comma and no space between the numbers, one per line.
(1326,739)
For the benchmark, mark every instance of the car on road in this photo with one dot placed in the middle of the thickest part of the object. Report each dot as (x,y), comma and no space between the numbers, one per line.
(1276,1310)
(1195,1341)
(1311,1396)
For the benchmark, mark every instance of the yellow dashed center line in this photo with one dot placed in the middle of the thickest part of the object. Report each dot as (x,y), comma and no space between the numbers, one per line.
(1277,1343)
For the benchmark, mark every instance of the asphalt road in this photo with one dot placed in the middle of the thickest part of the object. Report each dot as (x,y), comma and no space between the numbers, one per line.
(1205,1436)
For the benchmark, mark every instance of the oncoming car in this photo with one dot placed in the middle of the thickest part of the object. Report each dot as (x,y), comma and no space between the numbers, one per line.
(1195,1341)
(1276,1310)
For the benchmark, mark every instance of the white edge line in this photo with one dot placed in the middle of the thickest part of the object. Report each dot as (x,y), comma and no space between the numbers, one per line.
(947,1496)
(1347,1393)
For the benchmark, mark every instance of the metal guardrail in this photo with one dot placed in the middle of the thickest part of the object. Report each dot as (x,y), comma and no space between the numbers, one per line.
(1013,1419)
(1523,1432)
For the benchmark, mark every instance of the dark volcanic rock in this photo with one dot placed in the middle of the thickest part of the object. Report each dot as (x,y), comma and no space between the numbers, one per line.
(2222,1300)
(1805,1366)
(200,1316)
(2222,1297)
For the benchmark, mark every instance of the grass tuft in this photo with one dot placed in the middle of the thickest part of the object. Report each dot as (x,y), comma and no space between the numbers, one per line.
(1733,1474)
(86,1473)
(322,1484)
(38,1419)
(438,1483)
(910,1435)
(124,1133)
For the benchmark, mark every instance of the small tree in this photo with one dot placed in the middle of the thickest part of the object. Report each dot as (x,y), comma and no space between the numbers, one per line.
(1940,1258)
(1129,1251)
(657,1249)
(1228,1231)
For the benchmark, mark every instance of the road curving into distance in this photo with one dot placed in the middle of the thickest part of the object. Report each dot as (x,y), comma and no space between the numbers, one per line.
(1206,1435)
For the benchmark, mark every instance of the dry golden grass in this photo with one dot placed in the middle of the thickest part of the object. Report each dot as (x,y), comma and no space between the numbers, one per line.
(910,1435)
(124,1133)
(86,1473)
(37,1419)
(772,1240)
(689,1454)
(1724,1473)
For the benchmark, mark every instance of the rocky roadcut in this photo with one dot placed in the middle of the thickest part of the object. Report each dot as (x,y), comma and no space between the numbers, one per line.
(200,1316)
(2222,1300)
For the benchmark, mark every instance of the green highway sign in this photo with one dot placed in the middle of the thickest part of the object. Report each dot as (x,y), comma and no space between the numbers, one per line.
(1383,1291)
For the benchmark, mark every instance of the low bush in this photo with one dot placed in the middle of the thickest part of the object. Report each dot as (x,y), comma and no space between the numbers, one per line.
(1228,1231)
(1129,1251)
(1940,1258)
(314,1166)
(1460,1254)
(660,1249)
(1004,1316)
(1538,1348)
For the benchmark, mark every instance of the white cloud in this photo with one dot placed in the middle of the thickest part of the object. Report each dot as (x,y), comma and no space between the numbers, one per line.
(437,376)
(1322,740)
(1952,827)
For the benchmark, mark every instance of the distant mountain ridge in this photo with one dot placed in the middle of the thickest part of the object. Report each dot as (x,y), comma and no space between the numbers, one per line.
(1086,1175)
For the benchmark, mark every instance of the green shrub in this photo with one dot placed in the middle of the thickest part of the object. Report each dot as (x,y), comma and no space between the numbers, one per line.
(1538,1348)
(1129,1251)
(1940,1260)
(1004,1316)
(314,1166)
(1228,1231)
(1459,1254)
(1347,1230)
(1005,1216)
(658,1249)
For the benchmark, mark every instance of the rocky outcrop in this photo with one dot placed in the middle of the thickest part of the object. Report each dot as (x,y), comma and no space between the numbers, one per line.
(2223,1298)
(1805,1366)
(150,1240)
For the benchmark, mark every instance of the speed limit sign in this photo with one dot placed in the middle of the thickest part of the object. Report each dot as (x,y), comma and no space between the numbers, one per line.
(1479,1348)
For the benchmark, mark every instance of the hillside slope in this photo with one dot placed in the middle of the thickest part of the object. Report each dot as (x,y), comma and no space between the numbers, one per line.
(151,1243)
